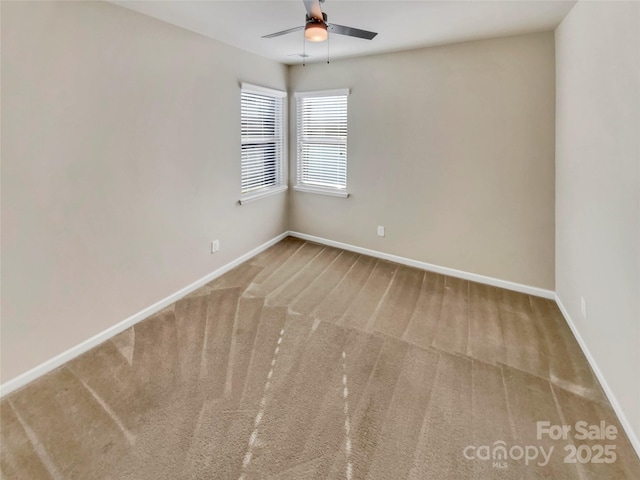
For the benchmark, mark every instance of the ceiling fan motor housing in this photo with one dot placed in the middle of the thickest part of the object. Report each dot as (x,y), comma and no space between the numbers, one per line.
(311,19)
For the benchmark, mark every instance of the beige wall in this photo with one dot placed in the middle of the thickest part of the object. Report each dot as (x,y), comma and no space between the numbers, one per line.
(120,163)
(452,150)
(598,187)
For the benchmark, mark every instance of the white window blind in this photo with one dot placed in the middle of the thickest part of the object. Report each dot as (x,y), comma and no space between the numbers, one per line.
(322,139)
(263,133)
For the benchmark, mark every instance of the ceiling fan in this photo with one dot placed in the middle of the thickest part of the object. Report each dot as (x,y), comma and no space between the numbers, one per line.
(316,27)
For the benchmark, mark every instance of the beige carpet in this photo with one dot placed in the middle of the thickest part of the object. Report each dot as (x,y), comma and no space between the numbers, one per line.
(309,362)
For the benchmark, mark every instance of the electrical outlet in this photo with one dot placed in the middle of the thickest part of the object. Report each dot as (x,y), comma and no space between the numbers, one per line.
(583,307)
(215,246)
(380,231)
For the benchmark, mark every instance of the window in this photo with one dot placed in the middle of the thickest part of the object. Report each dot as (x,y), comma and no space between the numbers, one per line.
(263,142)
(322,142)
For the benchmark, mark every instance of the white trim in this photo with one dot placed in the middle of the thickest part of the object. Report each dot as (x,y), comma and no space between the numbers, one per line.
(258,89)
(633,438)
(23,379)
(334,192)
(267,192)
(474,277)
(323,93)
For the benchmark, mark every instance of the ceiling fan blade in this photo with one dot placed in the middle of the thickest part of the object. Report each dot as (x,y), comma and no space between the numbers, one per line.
(352,32)
(284,32)
(313,8)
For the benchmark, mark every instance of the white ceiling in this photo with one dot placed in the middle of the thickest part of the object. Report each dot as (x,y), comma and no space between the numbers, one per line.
(401,25)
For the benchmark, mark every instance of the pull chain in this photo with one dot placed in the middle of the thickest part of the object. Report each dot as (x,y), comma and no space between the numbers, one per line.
(304,51)
(328,37)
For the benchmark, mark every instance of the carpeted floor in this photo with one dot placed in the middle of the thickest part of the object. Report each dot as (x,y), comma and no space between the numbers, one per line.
(309,362)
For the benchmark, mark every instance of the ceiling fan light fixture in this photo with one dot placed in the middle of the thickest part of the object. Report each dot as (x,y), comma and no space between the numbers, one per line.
(315,31)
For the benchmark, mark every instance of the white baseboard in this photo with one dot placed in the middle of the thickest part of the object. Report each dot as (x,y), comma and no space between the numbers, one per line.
(518,287)
(58,360)
(633,438)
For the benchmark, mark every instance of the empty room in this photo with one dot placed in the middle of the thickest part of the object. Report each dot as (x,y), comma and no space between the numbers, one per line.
(320,239)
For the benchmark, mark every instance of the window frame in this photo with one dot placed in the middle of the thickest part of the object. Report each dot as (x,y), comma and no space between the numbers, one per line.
(281,174)
(310,188)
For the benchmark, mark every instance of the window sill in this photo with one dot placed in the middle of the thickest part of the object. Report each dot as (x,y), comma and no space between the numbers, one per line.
(251,197)
(322,191)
